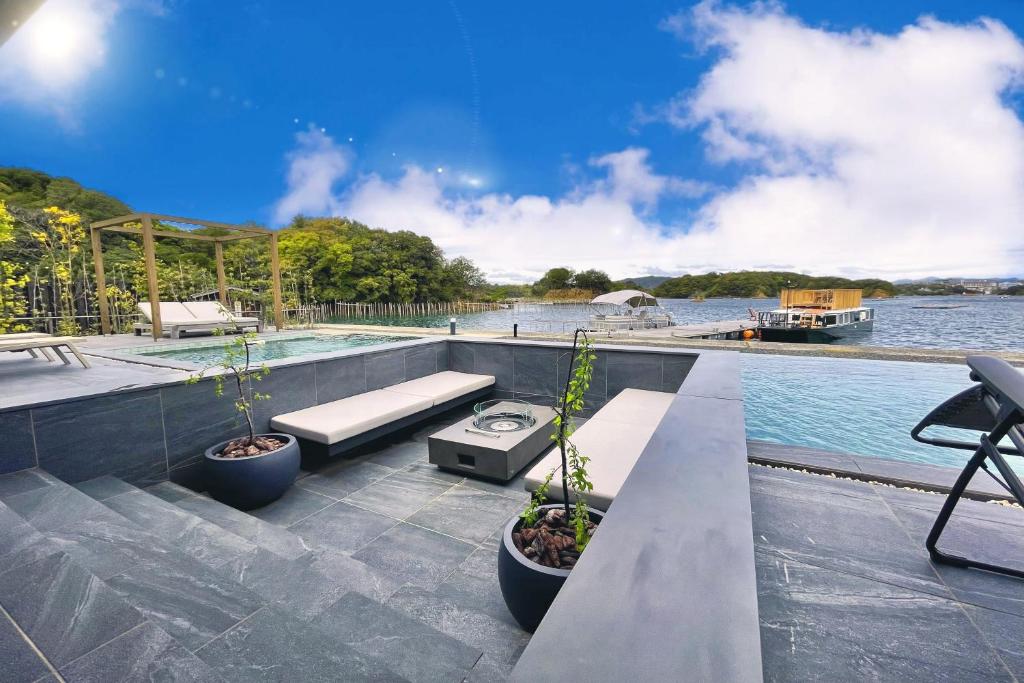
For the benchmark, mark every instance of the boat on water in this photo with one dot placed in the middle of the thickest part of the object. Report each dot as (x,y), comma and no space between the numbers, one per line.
(815,316)
(627,309)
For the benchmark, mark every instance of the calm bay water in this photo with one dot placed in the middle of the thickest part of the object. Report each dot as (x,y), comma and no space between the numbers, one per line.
(984,322)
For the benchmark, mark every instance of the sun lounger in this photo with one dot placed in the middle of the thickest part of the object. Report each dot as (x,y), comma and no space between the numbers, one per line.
(613,439)
(204,310)
(43,343)
(177,318)
(995,407)
(335,427)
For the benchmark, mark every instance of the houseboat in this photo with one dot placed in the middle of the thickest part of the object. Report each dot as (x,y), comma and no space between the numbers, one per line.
(815,316)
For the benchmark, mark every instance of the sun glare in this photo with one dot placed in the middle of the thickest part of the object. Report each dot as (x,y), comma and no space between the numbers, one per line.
(60,42)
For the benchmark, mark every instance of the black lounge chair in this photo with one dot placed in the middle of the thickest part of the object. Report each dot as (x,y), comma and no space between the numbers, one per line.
(994,406)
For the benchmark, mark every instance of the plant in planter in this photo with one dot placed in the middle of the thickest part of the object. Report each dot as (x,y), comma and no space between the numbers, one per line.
(541,546)
(252,470)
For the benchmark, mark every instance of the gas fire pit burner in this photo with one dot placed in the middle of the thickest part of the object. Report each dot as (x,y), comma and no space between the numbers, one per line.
(503,415)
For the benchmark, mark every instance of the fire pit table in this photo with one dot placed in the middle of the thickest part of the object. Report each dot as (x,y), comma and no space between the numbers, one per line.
(496,442)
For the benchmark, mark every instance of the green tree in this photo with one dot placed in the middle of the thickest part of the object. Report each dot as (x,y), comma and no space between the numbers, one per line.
(596,281)
(556,278)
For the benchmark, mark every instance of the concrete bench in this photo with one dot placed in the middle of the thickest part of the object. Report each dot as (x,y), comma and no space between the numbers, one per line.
(613,440)
(338,426)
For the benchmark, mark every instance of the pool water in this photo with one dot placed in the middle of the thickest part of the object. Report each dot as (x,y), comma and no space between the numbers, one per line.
(863,407)
(210,353)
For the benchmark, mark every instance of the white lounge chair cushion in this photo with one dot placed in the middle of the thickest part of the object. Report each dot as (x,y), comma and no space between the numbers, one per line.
(206,310)
(613,445)
(443,386)
(636,406)
(339,420)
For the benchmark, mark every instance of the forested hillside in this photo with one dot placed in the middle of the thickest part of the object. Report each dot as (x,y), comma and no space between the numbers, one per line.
(749,283)
(46,267)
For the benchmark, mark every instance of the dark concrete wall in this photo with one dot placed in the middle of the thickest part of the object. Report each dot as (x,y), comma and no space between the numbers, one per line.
(536,371)
(149,435)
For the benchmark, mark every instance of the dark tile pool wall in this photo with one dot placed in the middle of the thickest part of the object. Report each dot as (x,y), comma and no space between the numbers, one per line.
(155,434)
(537,373)
(150,435)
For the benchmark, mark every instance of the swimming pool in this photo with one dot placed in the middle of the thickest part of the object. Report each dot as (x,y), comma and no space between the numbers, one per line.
(864,407)
(209,352)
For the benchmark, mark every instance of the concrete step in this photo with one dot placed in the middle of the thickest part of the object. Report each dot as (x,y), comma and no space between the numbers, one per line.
(60,617)
(191,534)
(262,534)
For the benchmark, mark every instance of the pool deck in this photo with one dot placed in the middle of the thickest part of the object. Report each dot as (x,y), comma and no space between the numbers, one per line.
(397,569)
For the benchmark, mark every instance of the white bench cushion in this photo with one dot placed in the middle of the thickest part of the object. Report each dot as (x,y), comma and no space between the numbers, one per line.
(339,420)
(442,386)
(613,445)
(636,407)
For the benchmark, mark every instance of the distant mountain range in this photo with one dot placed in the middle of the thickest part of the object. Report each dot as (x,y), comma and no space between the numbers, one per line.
(648,281)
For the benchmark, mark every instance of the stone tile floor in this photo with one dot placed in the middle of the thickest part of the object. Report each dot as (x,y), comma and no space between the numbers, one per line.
(846,590)
(383,567)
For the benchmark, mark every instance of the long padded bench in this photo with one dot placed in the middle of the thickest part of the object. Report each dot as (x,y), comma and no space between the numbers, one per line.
(613,440)
(335,427)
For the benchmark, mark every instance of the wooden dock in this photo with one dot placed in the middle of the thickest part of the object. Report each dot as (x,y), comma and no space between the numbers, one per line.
(718,329)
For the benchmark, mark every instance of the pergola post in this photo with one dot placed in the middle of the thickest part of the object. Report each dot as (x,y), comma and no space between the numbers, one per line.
(127,224)
(101,280)
(275,273)
(149,251)
(222,283)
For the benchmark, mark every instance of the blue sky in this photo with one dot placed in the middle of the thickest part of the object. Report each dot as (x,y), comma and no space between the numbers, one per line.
(205,109)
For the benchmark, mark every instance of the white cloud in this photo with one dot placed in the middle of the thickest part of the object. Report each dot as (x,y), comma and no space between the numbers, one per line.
(314,168)
(862,153)
(58,47)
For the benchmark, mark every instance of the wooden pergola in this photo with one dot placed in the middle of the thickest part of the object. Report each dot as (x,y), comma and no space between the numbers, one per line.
(145,220)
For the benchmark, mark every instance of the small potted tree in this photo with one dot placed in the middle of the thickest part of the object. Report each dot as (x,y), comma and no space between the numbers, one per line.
(541,546)
(253,470)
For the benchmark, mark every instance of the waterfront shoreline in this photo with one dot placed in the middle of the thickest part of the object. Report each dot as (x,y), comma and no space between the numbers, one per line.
(909,354)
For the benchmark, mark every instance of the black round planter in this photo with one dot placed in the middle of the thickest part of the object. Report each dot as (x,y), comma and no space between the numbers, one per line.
(247,483)
(529,588)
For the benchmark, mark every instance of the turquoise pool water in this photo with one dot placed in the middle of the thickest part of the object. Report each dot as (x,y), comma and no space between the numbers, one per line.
(863,407)
(210,352)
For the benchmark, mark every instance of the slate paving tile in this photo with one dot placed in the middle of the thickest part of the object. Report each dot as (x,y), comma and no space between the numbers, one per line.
(397,456)
(467,513)
(982,540)
(340,480)
(20,543)
(146,653)
(824,526)
(932,502)
(342,527)
(190,601)
(296,504)
(413,649)
(498,639)
(820,624)
(425,469)
(20,482)
(170,492)
(351,574)
(398,495)
(419,556)
(64,609)
(18,661)
(253,529)
(1004,633)
(293,585)
(192,535)
(53,506)
(104,487)
(514,488)
(489,670)
(272,646)
(108,544)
